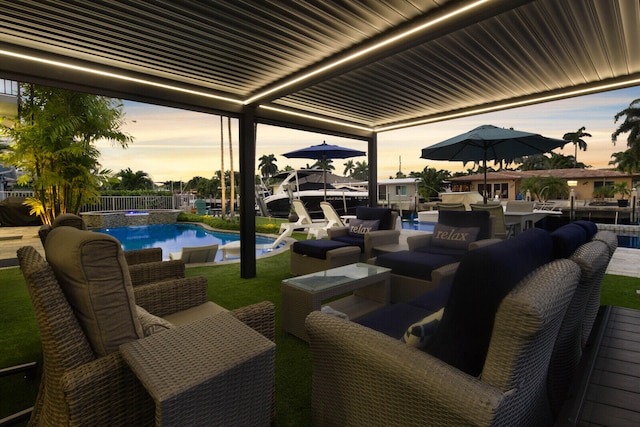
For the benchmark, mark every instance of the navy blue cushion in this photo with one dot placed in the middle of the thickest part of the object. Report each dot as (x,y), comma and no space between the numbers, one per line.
(351,240)
(480,219)
(485,276)
(394,320)
(589,226)
(414,264)
(567,239)
(316,248)
(459,253)
(381,214)
(433,300)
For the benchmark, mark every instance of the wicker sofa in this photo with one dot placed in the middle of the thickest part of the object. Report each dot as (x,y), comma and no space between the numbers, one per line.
(503,360)
(87,311)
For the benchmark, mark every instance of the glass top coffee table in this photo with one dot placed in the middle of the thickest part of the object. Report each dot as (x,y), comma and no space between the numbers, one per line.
(355,290)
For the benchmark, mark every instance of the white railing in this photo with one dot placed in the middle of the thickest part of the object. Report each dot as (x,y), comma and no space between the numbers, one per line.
(126,203)
(123,203)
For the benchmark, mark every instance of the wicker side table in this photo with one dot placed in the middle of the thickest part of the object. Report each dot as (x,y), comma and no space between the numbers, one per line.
(215,371)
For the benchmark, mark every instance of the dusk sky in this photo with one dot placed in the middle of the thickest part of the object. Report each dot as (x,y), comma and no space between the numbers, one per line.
(171,144)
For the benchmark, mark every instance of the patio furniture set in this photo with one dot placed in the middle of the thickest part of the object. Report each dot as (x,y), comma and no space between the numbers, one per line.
(128,340)
(499,329)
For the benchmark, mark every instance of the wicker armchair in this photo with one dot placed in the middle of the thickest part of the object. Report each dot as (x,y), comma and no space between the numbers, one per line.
(79,387)
(364,378)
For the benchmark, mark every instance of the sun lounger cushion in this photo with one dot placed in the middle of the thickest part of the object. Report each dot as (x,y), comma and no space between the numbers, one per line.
(381,214)
(485,276)
(350,241)
(590,227)
(151,324)
(567,239)
(417,264)
(317,248)
(93,274)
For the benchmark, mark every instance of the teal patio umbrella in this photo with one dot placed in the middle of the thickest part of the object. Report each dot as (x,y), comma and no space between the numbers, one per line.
(489,142)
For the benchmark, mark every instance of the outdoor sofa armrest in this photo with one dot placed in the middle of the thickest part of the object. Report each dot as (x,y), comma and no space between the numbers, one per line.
(260,317)
(140,256)
(419,241)
(112,384)
(409,387)
(379,238)
(482,243)
(164,298)
(334,232)
(151,272)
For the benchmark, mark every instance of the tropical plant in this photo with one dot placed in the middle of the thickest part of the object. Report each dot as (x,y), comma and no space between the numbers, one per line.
(52,140)
(622,188)
(543,188)
(324,164)
(348,168)
(626,161)
(129,180)
(604,191)
(267,165)
(533,162)
(576,139)
(631,124)
(432,181)
(361,171)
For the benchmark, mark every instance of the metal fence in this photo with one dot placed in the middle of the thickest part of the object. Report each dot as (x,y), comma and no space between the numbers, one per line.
(123,203)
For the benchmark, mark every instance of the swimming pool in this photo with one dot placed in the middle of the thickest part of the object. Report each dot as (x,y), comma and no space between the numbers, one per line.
(173,237)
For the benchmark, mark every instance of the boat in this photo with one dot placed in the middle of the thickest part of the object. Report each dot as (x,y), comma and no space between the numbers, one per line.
(308,185)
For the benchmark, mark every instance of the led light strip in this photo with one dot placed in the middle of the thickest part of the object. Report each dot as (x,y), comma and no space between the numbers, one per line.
(370,49)
(116,76)
(316,118)
(508,105)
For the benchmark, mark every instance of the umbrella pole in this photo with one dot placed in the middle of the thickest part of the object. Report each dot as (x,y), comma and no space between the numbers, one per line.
(484,193)
(324,175)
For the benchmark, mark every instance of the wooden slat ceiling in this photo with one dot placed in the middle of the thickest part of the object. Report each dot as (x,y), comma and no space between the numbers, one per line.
(236,50)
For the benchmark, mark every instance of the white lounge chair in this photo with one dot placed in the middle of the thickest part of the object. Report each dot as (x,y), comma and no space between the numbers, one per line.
(196,254)
(303,223)
(332,220)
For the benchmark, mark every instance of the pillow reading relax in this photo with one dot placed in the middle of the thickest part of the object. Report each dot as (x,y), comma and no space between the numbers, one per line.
(358,227)
(445,236)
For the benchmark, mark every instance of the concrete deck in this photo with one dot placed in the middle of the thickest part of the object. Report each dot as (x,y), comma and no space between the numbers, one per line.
(625,261)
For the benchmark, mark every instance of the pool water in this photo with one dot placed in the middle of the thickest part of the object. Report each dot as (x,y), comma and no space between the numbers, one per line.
(415,225)
(173,237)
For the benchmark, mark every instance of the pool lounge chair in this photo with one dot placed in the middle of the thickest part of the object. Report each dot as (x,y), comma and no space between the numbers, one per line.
(196,254)
(331,217)
(304,223)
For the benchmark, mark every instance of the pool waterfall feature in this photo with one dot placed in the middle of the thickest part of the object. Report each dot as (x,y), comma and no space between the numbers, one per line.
(113,219)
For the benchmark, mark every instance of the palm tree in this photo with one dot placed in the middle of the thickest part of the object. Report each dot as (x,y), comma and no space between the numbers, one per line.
(138,180)
(267,165)
(631,124)
(576,139)
(361,171)
(626,161)
(348,168)
(324,164)
(231,173)
(222,183)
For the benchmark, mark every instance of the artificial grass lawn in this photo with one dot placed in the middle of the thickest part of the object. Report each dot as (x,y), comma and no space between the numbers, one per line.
(20,339)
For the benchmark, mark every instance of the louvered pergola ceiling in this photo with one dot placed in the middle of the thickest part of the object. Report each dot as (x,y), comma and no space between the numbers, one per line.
(222,55)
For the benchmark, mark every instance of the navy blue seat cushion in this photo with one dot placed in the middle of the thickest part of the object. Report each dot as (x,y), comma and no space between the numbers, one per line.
(485,276)
(567,239)
(381,214)
(459,253)
(394,319)
(316,248)
(480,219)
(350,240)
(414,264)
(589,226)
